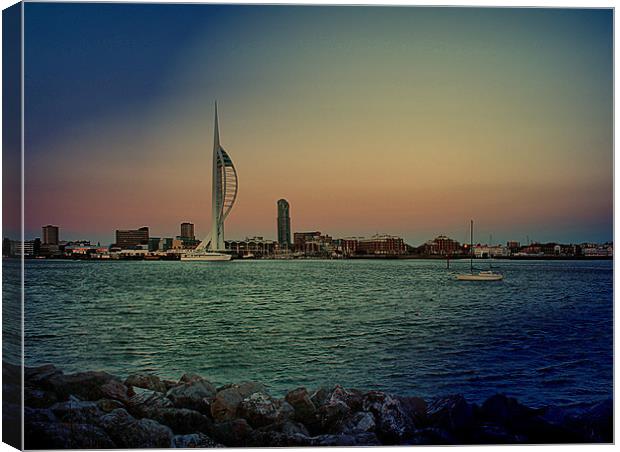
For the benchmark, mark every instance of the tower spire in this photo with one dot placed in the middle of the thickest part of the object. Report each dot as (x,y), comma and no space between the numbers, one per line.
(216,133)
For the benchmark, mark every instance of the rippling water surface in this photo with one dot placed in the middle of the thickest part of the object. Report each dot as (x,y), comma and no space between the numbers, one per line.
(544,335)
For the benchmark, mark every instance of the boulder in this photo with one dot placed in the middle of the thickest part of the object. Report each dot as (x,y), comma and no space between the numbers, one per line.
(192,440)
(332,415)
(39,398)
(115,390)
(351,397)
(248,388)
(451,413)
(194,395)
(596,424)
(85,385)
(189,378)
(146,381)
(75,411)
(260,409)
(305,410)
(505,410)
(320,396)
(360,422)
(107,405)
(224,406)
(181,420)
(292,428)
(145,400)
(37,376)
(55,435)
(393,422)
(128,432)
(415,408)
(235,433)
(38,415)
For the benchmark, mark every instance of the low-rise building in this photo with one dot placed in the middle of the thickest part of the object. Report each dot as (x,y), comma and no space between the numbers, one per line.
(382,244)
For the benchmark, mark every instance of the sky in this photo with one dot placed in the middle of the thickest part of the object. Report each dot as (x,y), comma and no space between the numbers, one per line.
(401,120)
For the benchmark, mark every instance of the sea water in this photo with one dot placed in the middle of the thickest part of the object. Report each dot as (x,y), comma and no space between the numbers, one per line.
(543,335)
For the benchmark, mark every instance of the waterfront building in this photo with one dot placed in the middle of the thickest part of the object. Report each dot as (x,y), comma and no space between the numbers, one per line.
(187,231)
(128,238)
(252,246)
(313,243)
(284,224)
(225,185)
(382,244)
(486,251)
(347,246)
(154,243)
(50,235)
(442,245)
(165,244)
(28,248)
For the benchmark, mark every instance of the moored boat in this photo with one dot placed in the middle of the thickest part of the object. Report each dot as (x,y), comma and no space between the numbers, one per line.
(206,256)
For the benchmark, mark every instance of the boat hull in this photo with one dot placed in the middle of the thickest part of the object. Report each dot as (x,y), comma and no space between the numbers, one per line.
(479,277)
(206,257)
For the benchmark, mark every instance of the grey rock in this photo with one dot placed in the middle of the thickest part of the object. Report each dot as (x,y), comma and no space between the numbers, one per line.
(181,420)
(194,440)
(292,428)
(451,413)
(39,398)
(393,422)
(107,405)
(226,403)
(128,432)
(146,381)
(194,395)
(235,433)
(360,422)
(76,411)
(305,410)
(332,415)
(54,435)
(145,400)
(260,409)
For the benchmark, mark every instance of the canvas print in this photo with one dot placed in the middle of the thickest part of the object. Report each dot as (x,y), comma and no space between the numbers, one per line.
(305,226)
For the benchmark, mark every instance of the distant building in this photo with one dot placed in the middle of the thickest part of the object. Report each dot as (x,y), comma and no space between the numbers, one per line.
(382,244)
(187,231)
(347,246)
(128,238)
(443,246)
(313,243)
(284,224)
(256,246)
(486,251)
(29,248)
(50,235)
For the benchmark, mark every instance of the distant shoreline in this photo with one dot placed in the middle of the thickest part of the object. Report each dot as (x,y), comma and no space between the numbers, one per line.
(360,257)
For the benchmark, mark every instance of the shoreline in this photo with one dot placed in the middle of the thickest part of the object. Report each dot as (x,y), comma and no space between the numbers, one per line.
(95,409)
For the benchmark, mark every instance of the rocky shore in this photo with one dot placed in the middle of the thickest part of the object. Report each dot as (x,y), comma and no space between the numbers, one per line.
(99,410)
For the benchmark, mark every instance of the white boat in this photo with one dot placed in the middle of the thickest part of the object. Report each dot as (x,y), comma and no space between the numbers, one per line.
(487,275)
(206,256)
(481,276)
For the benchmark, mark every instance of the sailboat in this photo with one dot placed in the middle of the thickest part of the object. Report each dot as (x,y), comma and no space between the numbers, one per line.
(487,275)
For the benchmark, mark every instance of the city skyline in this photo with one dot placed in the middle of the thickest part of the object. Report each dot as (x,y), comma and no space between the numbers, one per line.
(504,116)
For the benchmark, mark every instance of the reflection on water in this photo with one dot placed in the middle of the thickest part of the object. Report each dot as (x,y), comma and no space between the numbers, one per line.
(544,335)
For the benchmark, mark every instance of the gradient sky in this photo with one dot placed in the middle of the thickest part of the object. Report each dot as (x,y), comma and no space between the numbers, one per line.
(403,120)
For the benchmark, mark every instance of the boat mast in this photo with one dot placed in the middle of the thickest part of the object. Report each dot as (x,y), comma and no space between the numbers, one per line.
(471,246)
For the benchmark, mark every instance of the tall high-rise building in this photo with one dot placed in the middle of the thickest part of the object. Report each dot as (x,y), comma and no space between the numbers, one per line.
(284,224)
(50,235)
(126,238)
(223,192)
(187,231)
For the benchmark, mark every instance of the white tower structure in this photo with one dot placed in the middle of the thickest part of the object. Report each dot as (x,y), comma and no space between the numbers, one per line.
(223,193)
